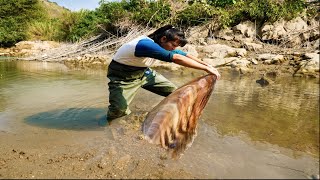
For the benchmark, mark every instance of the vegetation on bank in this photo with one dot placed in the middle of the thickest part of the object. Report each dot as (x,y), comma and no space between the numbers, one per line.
(30,20)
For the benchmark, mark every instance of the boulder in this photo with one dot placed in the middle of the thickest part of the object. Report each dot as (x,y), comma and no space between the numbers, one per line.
(220,61)
(26,48)
(292,33)
(270,58)
(190,49)
(252,46)
(197,33)
(240,63)
(247,29)
(273,31)
(295,25)
(310,63)
(225,34)
(221,51)
(245,70)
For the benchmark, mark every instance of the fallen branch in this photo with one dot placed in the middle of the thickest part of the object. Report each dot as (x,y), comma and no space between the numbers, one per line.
(93,45)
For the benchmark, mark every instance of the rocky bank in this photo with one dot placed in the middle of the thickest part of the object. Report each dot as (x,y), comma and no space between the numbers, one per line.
(285,48)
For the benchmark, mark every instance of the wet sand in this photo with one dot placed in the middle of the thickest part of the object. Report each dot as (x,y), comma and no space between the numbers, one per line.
(119,151)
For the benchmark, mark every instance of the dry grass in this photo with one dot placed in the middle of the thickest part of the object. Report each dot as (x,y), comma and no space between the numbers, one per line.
(105,44)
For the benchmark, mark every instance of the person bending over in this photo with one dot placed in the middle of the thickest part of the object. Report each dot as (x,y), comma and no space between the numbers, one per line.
(130,68)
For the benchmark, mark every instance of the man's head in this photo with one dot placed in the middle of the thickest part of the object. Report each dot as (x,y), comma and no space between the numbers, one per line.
(169,37)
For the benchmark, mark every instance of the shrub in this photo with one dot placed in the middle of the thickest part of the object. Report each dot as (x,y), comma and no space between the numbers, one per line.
(15,16)
(271,10)
(195,14)
(22,19)
(45,30)
(152,13)
(221,3)
(111,12)
(79,25)
(260,11)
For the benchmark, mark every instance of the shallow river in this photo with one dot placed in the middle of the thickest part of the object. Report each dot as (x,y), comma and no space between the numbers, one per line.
(243,128)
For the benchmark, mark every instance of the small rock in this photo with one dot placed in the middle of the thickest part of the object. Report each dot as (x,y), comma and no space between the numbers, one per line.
(112,151)
(141,137)
(123,162)
(267,62)
(252,46)
(245,70)
(253,61)
(163,156)
(264,81)
(102,165)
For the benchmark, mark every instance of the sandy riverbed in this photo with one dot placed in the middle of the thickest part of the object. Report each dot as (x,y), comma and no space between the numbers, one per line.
(118,151)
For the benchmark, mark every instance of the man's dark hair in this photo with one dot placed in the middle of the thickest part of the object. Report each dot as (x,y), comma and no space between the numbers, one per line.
(171,34)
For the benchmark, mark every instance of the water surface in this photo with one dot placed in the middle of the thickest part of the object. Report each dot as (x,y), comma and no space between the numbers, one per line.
(241,117)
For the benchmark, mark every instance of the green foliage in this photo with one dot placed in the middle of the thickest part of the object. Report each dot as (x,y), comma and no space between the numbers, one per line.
(111,12)
(195,14)
(14,18)
(26,19)
(271,10)
(221,3)
(292,8)
(138,11)
(230,12)
(79,25)
(11,31)
(260,11)
(152,13)
(45,30)
(134,5)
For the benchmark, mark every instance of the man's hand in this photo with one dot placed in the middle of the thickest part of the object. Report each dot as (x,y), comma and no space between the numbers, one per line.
(212,70)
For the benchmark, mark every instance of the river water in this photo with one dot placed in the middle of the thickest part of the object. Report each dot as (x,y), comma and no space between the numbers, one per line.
(242,130)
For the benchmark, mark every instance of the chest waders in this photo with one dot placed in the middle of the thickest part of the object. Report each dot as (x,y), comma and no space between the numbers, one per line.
(125,82)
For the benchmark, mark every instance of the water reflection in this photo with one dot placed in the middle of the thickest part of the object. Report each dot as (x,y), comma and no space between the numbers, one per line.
(39,89)
(68,119)
(49,95)
(285,113)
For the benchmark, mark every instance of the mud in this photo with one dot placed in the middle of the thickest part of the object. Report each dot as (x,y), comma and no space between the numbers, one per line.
(119,151)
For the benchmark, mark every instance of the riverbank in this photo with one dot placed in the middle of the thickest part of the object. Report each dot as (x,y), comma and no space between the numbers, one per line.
(284,48)
(279,63)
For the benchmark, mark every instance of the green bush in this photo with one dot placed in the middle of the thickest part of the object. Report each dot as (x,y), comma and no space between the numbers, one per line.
(259,11)
(80,25)
(221,3)
(137,11)
(45,30)
(195,14)
(292,8)
(15,16)
(26,19)
(152,13)
(111,12)
(11,31)
(271,10)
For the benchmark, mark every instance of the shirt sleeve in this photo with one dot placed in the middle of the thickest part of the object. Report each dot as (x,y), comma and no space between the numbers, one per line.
(148,48)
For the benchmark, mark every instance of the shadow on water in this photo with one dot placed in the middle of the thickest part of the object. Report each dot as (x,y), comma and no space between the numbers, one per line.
(69,119)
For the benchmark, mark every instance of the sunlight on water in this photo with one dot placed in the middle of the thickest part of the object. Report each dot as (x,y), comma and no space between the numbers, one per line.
(285,114)
(31,88)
